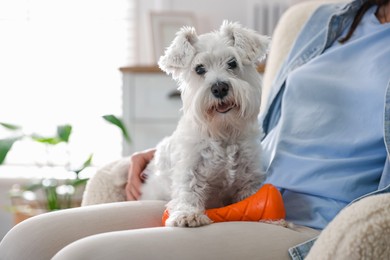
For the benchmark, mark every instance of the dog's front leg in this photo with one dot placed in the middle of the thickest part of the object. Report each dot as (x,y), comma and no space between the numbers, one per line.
(244,169)
(187,208)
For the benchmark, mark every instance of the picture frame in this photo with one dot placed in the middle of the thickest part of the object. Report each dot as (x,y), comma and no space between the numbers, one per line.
(164,26)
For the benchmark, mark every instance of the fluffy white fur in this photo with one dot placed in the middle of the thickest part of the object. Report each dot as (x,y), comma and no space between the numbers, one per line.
(214,156)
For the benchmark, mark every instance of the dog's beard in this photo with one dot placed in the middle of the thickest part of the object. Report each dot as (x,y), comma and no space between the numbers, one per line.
(227,117)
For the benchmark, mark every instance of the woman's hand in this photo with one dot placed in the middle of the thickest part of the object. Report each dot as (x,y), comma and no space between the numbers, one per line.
(135,178)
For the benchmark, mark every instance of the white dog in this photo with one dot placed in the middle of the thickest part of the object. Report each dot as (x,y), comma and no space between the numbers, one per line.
(214,156)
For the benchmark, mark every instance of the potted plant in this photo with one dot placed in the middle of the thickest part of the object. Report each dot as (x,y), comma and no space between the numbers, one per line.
(48,194)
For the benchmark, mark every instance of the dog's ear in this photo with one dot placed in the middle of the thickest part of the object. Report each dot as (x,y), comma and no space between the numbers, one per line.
(180,53)
(251,46)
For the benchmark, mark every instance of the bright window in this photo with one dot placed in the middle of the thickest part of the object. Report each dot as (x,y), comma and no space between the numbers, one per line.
(59,63)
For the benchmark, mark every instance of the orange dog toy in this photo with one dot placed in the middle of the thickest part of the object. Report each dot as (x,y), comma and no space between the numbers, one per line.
(265,204)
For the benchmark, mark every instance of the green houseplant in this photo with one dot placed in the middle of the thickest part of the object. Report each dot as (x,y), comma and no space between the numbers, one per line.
(54,194)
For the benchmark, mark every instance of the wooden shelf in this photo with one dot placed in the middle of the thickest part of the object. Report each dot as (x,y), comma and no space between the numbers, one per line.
(141,69)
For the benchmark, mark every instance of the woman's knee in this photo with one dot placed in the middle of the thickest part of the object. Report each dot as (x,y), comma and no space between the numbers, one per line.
(42,236)
(34,238)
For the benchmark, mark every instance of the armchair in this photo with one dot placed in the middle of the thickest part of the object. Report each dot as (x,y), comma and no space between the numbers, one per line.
(360,231)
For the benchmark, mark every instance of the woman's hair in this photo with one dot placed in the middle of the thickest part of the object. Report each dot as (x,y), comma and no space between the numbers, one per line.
(359,15)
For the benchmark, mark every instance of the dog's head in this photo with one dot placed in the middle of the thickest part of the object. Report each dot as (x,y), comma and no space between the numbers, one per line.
(217,74)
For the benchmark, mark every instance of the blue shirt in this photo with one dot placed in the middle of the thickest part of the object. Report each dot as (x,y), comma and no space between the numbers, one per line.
(327,147)
(320,31)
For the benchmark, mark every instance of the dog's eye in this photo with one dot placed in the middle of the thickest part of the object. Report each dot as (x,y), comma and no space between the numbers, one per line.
(232,64)
(200,70)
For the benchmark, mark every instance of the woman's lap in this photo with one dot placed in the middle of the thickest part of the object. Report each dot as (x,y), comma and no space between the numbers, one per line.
(132,230)
(234,240)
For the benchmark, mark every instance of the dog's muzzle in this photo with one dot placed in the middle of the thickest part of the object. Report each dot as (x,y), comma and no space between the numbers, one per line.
(220,90)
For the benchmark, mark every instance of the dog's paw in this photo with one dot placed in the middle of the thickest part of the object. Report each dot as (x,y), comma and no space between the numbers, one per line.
(187,219)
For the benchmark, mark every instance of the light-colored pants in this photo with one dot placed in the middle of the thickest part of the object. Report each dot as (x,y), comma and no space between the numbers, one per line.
(132,230)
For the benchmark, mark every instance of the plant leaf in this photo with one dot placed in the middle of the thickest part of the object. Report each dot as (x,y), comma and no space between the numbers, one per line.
(5,147)
(87,163)
(46,140)
(10,126)
(63,132)
(51,198)
(118,122)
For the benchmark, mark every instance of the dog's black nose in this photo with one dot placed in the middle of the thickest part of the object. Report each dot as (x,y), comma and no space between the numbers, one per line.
(220,89)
